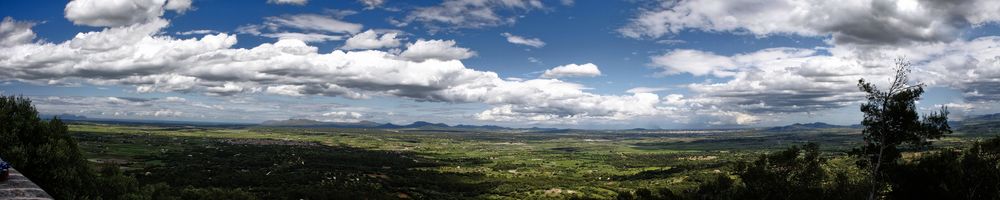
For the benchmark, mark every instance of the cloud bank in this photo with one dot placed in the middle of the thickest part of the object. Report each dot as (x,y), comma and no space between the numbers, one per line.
(845,22)
(427,70)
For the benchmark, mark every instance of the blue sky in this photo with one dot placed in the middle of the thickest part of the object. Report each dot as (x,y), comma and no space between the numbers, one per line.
(522,63)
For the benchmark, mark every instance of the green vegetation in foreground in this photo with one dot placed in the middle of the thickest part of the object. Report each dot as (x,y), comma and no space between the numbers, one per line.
(488,165)
(302,163)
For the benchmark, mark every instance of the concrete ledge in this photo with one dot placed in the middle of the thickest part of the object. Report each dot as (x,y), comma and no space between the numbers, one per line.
(19,187)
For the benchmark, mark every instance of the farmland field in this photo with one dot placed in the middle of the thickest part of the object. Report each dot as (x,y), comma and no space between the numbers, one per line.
(313,163)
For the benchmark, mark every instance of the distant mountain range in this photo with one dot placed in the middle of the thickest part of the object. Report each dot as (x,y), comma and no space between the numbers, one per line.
(369,124)
(441,126)
(64,116)
(978,125)
(808,126)
(81,118)
(314,123)
(989,117)
(989,123)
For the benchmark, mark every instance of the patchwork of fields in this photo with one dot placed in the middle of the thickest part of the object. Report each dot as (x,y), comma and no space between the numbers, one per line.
(315,163)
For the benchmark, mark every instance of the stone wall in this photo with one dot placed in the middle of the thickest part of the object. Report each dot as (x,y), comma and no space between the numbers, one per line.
(19,187)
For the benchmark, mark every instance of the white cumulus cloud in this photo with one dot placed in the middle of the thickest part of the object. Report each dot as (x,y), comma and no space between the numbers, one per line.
(572,70)
(14,32)
(435,49)
(112,13)
(370,40)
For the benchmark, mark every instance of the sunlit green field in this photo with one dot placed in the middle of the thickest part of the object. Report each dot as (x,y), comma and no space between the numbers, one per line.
(296,163)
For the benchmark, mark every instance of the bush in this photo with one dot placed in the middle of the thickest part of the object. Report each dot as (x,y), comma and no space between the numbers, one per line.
(950,174)
(794,173)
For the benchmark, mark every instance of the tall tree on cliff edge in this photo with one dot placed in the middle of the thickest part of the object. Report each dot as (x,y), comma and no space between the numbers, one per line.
(891,120)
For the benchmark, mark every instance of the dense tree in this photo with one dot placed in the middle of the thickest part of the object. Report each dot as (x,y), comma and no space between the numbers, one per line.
(644,194)
(722,187)
(42,150)
(970,174)
(891,120)
(795,173)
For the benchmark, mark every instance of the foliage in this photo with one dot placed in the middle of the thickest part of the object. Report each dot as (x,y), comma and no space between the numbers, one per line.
(950,174)
(42,150)
(972,173)
(723,187)
(794,173)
